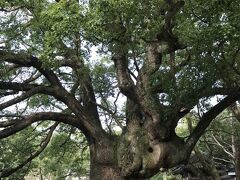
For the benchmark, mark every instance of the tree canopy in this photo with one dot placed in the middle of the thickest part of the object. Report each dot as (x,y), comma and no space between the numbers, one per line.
(99,65)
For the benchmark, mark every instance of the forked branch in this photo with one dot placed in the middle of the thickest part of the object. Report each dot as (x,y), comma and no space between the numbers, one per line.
(125,83)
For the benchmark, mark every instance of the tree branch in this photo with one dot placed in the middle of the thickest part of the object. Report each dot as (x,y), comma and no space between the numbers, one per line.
(23,59)
(4,124)
(166,34)
(222,147)
(84,82)
(17,86)
(89,125)
(208,117)
(185,109)
(16,125)
(125,83)
(113,114)
(7,93)
(23,96)
(92,128)
(8,172)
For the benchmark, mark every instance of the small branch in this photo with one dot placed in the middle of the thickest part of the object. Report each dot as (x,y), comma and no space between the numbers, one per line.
(33,78)
(74,88)
(224,160)
(111,113)
(132,74)
(10,9)
(135,62)
(72,130)
(7,93)
(4,124)
(223,148)
(115,105)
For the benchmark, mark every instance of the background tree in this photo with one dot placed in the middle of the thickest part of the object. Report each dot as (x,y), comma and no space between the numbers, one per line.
(66,155)
(216,153)
(167,55)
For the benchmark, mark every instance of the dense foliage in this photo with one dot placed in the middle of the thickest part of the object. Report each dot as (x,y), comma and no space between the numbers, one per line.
(124,73)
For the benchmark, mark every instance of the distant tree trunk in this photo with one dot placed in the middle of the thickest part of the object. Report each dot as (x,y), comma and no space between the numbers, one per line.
(236,139)
(236,154)
(41,175)
(214,173)
(164,176)
(237,161)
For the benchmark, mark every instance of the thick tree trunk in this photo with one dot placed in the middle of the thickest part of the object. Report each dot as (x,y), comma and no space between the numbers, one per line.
(132,157)
(144,148)
(104,172)
(103,162)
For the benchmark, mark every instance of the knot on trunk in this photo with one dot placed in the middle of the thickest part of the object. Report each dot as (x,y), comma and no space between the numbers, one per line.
(141,157)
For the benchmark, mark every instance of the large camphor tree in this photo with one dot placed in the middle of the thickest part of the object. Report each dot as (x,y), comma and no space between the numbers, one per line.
(161,57)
